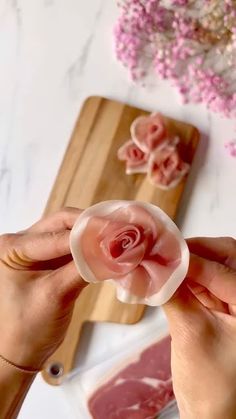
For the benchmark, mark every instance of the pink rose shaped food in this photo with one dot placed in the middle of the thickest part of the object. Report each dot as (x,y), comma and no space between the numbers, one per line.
(148,132)
(136,160)
(133,244)
(165,166)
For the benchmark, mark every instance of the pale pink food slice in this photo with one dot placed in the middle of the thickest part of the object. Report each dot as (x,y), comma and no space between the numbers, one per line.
(148,132)
(133,244)
(166,168)
(136,159)
(140,390)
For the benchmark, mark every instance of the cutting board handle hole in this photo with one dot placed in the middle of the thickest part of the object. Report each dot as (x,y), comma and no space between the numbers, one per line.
(55,370)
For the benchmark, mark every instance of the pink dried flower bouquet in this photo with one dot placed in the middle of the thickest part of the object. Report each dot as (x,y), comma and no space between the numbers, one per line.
(190,42)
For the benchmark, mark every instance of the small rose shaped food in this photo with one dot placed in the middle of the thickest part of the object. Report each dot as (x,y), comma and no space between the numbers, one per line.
(133,244)
(165,166)
(148,132)
(136,160)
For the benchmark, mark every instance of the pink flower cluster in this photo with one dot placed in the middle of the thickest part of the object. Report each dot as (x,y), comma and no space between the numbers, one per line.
(190,42)
(153,151)
(231,147)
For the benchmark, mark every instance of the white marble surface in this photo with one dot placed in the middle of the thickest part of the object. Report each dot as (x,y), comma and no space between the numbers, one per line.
(53,54)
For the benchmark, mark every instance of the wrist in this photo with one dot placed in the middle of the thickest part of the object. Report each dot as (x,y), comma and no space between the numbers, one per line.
(14,385)
(20,368)
(10,373)
(19,352)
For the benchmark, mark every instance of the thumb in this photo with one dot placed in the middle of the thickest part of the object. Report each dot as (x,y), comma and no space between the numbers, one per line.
(184,312)
(219,279)
(67,283)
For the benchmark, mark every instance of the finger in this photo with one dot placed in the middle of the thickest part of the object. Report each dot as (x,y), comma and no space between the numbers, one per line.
(219,279)
(220,249)
(21,250)
(184,311)
(68,283)
(206,298)
(60,220)
(52,264)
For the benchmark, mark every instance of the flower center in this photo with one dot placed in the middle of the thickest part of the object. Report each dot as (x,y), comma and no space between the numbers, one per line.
(124,240)
(136,154)
(153,128)
(171,162)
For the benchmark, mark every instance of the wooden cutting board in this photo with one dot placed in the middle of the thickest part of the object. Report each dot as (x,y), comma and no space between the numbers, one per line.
(91,172)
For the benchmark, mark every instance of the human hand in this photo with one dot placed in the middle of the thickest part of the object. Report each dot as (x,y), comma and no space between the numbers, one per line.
(202,321)
(38,287)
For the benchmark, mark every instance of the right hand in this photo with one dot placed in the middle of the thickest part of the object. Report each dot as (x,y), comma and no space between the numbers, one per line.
(202,320)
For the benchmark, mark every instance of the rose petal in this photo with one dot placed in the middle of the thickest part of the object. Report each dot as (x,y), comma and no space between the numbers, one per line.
(98,227)
(140,281)
(148,132)
(167,246)
(133,244)
(132,214)
(96,255)
(136,160)
(165,167)
(137,282)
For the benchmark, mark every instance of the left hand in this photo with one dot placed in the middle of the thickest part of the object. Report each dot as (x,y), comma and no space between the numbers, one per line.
(38,288)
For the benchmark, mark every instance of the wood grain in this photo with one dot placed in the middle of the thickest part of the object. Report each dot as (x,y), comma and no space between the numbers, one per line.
(90,173)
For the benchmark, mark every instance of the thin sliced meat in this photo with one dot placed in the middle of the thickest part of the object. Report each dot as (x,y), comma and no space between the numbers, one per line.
(135,245)
(148,132)
(166,168)
(136,159)
(139,391)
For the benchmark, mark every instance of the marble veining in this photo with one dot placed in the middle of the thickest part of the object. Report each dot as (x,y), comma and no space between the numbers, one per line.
(76,70)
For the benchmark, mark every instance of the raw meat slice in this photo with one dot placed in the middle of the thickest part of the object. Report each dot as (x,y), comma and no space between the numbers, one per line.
(148,132)
(136,160)
(133,244)
(165,167)
(139,391)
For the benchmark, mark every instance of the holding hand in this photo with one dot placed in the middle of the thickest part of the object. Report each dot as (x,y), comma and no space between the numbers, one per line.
(202,320)
(38,287)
